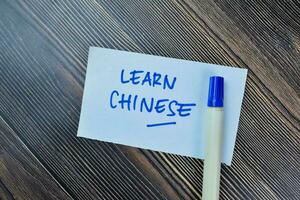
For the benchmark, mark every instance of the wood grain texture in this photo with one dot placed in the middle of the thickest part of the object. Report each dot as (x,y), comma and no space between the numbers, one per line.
(22,176)
(43,56)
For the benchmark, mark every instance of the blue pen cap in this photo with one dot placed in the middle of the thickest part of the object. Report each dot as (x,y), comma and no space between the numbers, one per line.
(215,91)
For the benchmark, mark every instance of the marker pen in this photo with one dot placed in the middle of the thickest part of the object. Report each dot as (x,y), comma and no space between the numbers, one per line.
(214,132)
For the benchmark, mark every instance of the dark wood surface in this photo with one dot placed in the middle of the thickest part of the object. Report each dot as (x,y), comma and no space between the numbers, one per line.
(43,56)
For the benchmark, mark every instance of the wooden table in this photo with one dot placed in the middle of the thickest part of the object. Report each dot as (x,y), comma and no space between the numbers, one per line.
(43,58)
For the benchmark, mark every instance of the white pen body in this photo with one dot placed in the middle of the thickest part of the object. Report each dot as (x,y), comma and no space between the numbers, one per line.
(212,162)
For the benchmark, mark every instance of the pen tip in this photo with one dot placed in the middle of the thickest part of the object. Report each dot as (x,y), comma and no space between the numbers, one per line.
(215,91)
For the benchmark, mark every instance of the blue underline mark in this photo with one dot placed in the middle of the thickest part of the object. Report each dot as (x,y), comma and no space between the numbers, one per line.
(161,124)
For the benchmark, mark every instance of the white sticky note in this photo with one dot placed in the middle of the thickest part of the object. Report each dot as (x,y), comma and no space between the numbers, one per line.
(155,102)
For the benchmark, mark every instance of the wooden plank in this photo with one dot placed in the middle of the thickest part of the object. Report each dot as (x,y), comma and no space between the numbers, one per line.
(43,64)
(22,176)
(87,169)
